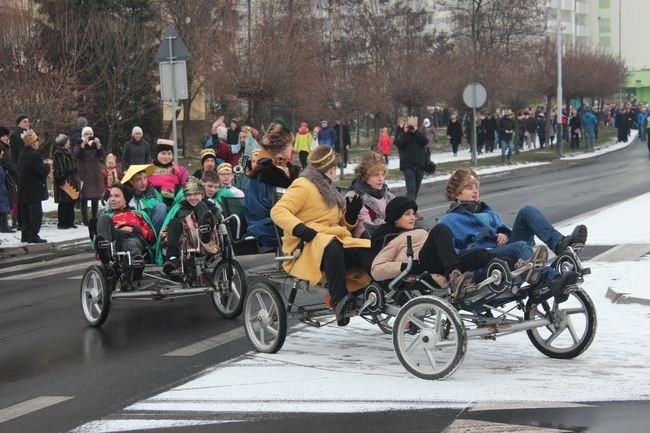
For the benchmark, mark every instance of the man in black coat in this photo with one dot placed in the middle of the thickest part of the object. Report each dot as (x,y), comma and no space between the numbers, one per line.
(15,140)
(343,141)
(412,158)
(32,184)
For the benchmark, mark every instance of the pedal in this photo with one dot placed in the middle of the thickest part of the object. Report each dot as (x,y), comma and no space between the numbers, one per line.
(585,271)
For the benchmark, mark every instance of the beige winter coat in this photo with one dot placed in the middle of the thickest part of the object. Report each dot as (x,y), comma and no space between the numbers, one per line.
(387,264)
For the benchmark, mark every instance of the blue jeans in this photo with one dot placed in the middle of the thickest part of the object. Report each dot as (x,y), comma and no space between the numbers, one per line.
(157,215)
(590,138)
(413,179)
(522,250)
(506,144)
(531,222)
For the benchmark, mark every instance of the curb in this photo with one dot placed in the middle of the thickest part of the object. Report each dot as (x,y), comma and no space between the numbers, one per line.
(622,298)
(23,250)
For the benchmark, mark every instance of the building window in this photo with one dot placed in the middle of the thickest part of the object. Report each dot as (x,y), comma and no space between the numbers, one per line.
(604,4)
(605,25)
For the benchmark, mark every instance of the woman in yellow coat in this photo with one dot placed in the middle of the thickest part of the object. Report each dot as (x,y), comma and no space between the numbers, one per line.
(315,217)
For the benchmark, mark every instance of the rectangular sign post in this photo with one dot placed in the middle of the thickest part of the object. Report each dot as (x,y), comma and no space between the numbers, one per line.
(173,75)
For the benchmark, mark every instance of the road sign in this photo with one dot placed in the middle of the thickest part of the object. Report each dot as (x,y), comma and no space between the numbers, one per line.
(173,81)
(177,51)
(474,95)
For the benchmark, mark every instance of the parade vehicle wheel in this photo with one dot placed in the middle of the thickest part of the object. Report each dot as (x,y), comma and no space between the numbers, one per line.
(429,338)
(265,318)
(572,329)
(230,285)
(499,268)
(95,296)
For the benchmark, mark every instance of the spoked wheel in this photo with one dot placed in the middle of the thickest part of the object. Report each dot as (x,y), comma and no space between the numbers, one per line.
(230,285)
(572,328)
(429,338)
(95,296)
(265,318)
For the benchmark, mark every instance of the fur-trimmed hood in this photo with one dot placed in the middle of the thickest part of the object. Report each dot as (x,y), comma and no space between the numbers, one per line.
(324,186)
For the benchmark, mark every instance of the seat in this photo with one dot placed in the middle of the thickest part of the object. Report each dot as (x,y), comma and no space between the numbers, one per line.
(235,220)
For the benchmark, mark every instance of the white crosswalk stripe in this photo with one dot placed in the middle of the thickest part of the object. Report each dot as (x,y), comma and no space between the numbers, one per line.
(29,406)
(48,272)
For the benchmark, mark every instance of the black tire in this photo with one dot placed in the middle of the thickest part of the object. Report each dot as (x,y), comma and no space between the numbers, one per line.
(230,285)
(557,340)
(384,322)
(95,295)
(425,325)
(265,313)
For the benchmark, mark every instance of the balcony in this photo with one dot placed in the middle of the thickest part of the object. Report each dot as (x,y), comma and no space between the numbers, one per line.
(567,5)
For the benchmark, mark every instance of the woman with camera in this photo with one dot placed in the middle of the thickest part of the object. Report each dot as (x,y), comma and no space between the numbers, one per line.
(89,155)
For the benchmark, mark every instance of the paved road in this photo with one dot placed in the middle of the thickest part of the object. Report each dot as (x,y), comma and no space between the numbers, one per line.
(56,373)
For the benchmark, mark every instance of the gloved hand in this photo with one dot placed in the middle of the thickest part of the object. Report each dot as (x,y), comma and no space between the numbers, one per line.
(304,233)
(352,208)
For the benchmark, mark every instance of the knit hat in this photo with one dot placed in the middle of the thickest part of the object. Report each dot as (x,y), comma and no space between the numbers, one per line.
(206,154)
(82,122)
(3,131)
(86,129)
(136,130)
(29,137)
(164,144)
(322,158)
(397,206)
(61,139)
(426,123)
(222,132)
(21,118)
(224,166)
(277,137)
(193,185)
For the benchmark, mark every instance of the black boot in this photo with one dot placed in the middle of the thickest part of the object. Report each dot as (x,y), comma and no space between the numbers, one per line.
(4,224)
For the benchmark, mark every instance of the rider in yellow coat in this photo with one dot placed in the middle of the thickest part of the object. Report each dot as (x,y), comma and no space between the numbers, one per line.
(314,216)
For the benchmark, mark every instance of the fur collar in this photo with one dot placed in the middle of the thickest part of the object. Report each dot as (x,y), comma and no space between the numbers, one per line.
(324,186)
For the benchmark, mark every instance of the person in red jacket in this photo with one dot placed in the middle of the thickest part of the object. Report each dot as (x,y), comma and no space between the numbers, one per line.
(131,229)
(384,144)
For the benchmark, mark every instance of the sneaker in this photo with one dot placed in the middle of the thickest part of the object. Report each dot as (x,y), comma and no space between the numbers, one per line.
(577,240)
(138,267)
(102,248)
(562,285)
(458,282)
(172,267)
(343,309)
(540,256)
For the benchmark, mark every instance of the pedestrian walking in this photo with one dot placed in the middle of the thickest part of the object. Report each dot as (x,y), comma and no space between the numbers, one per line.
(384,144)
(506,129)
(589,123)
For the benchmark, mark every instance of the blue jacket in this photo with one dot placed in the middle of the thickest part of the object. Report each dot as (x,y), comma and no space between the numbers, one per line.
(472,230)
(4,195)
(641,118)
(327,136)
(589,120)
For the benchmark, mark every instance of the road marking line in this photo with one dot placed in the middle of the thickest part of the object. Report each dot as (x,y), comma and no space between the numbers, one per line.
(208,343)
(47,272)
(77,277)
(473,426)
(623,253)
(30,406)
(510,405)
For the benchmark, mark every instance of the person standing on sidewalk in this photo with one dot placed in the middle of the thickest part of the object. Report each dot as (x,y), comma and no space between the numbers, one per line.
(136,151)
(412,158)
(32,184)
(641,120)
(454,133)
(66,182)
(506,129)
(589,123)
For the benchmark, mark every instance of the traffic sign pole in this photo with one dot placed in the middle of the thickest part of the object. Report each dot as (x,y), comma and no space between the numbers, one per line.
(474,96)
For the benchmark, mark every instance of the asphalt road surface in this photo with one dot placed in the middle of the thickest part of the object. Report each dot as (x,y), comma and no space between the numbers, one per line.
(56,373)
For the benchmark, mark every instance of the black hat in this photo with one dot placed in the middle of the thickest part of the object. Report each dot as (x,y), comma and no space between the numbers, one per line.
(61,139)
(21,118)
(3,131)
(126,190)
(397,206)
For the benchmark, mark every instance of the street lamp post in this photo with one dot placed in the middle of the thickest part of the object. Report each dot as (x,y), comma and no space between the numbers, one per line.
(558,133)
